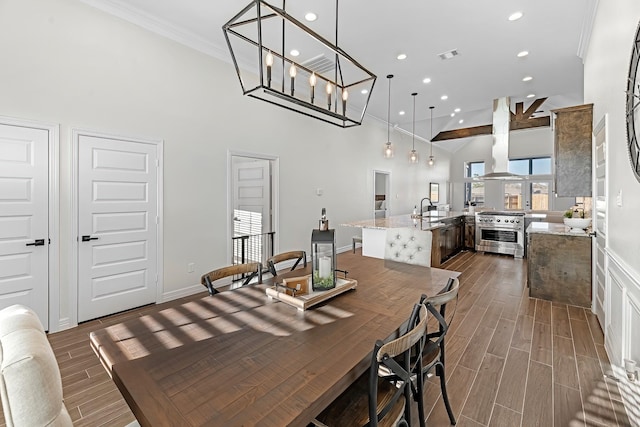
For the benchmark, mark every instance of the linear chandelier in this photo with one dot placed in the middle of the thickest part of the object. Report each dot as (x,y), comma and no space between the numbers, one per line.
(322,81)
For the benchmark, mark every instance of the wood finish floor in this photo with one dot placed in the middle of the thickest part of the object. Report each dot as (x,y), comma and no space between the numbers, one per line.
(511,360)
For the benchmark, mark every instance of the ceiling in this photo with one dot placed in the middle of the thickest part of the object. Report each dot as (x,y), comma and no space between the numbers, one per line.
(375,32)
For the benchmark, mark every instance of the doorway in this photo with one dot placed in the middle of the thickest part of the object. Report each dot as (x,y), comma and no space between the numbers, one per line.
(381,194)
(253,201)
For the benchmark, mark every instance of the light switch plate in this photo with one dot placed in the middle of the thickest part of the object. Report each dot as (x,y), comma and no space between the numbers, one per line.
(619,199)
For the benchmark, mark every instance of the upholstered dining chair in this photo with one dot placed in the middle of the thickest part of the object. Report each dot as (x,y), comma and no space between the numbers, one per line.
(30,382)
(408,245)
(433,355)
(251,270)
(374,400)
(285,256)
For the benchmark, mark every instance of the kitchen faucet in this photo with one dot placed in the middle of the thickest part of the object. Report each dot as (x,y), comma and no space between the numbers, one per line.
(422,201)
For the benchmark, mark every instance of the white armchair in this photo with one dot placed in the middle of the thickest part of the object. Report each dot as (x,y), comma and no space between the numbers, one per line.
(408,245)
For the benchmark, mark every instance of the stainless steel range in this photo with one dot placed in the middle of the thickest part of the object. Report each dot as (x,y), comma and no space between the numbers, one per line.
(500,232)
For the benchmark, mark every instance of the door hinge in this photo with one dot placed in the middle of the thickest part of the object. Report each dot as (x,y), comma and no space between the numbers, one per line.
(157,163)
(157,220)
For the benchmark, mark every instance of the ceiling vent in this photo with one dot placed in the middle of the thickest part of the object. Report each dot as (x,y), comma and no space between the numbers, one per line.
(320,64)
(449,54)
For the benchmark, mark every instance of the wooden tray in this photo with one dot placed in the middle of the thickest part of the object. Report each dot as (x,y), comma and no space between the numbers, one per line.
(303,302)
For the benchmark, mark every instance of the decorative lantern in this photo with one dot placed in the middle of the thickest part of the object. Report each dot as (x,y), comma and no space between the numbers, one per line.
(323,260)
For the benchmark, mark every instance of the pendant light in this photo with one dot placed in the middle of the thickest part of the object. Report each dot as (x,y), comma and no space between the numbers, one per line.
(432,159)
(413,154)
(388,147)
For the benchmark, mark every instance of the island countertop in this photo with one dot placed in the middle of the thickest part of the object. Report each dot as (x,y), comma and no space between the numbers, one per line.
(553,228)
(406,221)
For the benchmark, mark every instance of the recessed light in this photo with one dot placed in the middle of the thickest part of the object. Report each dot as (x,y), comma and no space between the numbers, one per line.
(364,91)
(457,110)
(401,113)
(453,114)
(402,56)
(515,16)
(294,52)
(461,121)
(527,79)
(523,54)
(531,95)
(426,80)
(310,16)
(444,97)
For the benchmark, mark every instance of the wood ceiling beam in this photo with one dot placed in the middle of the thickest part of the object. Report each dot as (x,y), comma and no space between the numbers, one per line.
(535,122)
(464,132)
(520,120)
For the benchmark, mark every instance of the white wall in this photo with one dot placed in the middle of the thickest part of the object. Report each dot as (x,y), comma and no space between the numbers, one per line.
(606,68)
(522,144)
(65,62)
(605,82)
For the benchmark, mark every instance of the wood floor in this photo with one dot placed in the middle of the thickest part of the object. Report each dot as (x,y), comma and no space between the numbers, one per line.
(511,360)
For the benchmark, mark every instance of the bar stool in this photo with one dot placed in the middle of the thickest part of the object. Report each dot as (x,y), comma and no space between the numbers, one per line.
(356,239)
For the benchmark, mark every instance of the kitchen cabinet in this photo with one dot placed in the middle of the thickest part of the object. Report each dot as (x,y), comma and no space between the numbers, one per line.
(572,150)
(451,237)
(470,232)
(559,264)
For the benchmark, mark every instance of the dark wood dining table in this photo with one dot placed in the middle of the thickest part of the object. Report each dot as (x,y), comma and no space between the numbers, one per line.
(239,358)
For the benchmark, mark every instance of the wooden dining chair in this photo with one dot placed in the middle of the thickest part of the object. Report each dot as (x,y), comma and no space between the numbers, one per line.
(375,400)
(433,355)
(251,269)
(285,256)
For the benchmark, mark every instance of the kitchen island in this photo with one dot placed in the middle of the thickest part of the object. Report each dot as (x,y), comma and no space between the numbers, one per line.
(447,232)
(559,264)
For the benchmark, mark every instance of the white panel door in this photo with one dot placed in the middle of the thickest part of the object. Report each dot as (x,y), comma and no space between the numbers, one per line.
(251,207)
(117,225)
(24,220)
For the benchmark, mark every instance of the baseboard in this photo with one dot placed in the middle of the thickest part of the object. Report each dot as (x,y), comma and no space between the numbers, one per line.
(181,293)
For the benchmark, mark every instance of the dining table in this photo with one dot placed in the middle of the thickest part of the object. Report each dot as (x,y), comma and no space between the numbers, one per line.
(240,358)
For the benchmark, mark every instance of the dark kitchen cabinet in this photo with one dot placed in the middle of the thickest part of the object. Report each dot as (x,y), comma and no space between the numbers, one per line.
(451,237)
(572,151)
(470,232)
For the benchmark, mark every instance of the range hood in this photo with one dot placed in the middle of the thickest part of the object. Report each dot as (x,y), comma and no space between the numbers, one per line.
(500,147)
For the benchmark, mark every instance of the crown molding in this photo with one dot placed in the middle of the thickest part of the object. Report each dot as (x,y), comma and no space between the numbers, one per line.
(122,10)
(587,28)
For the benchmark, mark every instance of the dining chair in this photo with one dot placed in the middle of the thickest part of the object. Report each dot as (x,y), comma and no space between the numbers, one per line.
(375,400)
(433,354)
(285,256)
(408,245)
(252,269)
(30,381)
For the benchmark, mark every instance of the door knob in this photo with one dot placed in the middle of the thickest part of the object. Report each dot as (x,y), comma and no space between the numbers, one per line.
(37,242)
(87,238)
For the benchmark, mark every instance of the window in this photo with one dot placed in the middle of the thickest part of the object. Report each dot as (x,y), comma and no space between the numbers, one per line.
(531,166)
(473,190)
(527,195)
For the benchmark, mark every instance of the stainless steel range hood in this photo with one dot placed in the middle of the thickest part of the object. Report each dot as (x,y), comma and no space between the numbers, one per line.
(500,147)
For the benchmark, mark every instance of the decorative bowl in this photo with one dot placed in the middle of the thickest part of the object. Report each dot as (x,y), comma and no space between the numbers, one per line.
(577,224)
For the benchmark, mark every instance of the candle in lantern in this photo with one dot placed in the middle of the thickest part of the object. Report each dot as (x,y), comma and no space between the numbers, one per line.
(329,90)
(345,95)
(269,61)
(292,74)
(312,83)
(324,267)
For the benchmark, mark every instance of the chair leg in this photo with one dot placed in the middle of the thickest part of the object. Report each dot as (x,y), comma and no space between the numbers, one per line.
(419,398)
(445,397)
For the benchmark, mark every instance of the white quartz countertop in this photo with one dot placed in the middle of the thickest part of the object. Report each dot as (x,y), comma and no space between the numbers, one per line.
(554,228)
(429,222)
